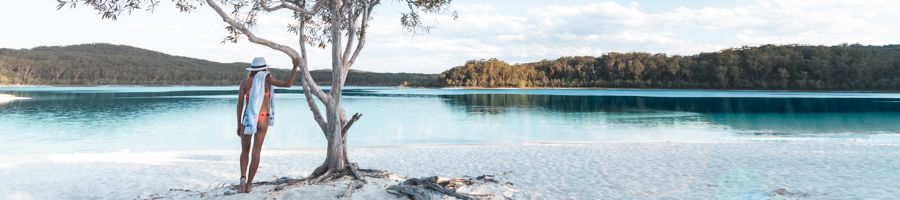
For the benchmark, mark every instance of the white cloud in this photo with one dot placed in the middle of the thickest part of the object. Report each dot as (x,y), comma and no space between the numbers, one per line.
(155,28)
(524,32)
(710,18)
(512,37)
(474,8)
(555,30)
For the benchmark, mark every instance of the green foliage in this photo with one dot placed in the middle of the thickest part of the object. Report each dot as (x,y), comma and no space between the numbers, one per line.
(489,73)
(106,64)
(309,16)
(790,67)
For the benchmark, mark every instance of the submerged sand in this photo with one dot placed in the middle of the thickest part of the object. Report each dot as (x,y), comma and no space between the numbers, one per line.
(6,98)
(816,169)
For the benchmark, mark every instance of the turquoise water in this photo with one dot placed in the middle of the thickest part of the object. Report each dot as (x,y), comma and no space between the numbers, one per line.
(103,119)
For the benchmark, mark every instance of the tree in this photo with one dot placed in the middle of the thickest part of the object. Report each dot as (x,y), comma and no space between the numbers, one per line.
(783,77)
(321,23)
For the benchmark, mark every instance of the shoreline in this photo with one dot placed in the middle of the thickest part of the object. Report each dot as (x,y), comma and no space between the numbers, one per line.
(657,89)
(886,142)
(500,88)
(6,157)
(856,169)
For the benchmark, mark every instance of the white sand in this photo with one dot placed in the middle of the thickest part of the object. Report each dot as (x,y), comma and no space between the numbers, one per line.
(829,169)
(6,98)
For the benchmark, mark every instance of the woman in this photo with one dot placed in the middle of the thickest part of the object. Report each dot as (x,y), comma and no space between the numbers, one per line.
(255,118)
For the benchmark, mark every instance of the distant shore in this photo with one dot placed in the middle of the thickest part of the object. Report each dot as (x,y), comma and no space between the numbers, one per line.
(700,89)
(485,88)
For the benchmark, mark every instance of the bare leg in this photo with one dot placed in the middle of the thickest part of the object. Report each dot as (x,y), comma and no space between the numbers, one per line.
(245,156)
(260,136)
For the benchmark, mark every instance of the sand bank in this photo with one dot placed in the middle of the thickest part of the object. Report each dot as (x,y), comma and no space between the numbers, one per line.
(846,169)
(6,98)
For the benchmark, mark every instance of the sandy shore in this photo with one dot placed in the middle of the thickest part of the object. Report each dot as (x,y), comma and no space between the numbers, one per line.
(834,169)
(6,98)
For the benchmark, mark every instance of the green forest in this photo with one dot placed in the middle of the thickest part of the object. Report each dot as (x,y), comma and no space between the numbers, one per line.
(777,67)
(767,67)
(107,64)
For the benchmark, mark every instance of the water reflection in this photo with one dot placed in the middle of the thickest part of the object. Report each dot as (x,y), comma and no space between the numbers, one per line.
(757,116)
(560,103)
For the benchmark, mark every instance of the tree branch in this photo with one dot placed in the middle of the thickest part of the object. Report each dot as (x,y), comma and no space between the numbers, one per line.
(352,34)
(291,6)
(250,36)
(268,8)
(351,31)
(362,32)
(349,123)
(317,115)
(296,58)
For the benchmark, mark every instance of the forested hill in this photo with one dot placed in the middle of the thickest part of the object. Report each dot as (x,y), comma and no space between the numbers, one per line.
(107,64)
(793,67)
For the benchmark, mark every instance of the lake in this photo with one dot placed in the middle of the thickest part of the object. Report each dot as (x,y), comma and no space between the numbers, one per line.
(45,120)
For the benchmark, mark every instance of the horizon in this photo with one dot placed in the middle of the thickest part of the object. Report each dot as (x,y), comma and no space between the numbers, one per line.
(516,32)
(462,63)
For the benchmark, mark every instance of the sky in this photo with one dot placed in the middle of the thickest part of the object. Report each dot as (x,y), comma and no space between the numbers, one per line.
(512,30)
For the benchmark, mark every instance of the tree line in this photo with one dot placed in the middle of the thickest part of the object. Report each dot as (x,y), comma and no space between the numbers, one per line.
(107,64)
(781,67)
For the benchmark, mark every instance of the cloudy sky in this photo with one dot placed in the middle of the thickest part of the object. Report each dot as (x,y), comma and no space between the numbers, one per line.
(512,30)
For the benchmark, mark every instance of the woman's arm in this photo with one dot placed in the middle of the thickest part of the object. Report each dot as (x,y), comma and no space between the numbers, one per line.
(240,106)
(290,81)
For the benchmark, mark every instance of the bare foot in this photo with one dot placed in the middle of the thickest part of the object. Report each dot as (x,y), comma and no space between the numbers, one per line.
(242,185)
(249,188)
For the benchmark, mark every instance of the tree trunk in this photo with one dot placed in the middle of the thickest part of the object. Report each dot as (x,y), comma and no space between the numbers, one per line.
(336,163)
(336,156)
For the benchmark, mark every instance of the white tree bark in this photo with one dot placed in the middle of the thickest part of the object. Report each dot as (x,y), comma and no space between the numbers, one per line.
(335,159)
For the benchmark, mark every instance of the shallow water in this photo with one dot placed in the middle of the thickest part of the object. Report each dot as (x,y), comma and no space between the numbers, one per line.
(104,119)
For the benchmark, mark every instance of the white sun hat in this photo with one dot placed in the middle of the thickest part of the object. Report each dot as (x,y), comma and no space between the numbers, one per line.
(259,63)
